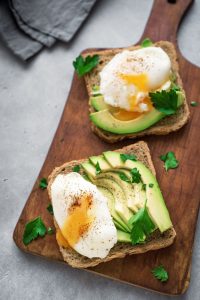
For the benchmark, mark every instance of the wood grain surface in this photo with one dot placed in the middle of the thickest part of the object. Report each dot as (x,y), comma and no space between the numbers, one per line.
(181,187)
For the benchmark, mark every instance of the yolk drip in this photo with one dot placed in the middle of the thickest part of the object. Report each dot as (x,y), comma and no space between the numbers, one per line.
(61,240)
(78,221)
(140,81)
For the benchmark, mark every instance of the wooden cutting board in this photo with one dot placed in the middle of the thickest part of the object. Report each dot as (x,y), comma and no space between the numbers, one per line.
(181,187)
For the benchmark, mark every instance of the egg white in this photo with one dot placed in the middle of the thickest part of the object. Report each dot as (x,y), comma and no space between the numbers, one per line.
(101,235)
(152,61)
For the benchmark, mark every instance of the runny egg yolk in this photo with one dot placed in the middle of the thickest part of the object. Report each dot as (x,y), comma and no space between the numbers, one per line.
(141,82)
(77,222)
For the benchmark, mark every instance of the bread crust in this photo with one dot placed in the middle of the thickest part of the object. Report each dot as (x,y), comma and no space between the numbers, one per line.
(120,250)
(164,126)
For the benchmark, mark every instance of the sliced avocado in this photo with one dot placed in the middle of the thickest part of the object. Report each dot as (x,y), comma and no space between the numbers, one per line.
(119,226)
(105,120)
(104,165)
(125,186)
(123,237)
(89,169)
(119,196)
(114,159)
(111,205)
(98,103)
(139,198)
(155,202)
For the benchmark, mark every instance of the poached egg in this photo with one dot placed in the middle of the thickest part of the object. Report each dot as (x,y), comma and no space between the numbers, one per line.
(127,79)
(83,216)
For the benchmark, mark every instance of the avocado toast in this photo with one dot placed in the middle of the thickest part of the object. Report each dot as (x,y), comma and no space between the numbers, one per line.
(163,233)
(109,128)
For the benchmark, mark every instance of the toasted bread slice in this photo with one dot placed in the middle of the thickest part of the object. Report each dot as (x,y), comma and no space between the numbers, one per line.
(164,126)
(156,241)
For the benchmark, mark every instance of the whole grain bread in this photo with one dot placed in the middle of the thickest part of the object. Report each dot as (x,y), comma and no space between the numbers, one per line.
(164,126)
(156,241)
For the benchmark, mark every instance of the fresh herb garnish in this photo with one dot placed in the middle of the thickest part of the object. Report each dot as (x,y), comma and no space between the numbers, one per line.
(136,176)
(50,208)
(124,177)
(142,226)
(194,103)
(76,168)
(34,229)
(170,160)
(85,65)
(146,43)
(160,273)
(144,186)
(165,101)
(43,183)
(125,157)
(50,230)
(150,185)
(98,169)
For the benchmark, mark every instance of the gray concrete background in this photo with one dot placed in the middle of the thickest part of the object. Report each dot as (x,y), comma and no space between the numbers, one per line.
(32,97)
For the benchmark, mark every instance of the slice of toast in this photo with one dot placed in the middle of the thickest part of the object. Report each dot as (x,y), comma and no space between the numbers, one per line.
(156,241)
(164,126)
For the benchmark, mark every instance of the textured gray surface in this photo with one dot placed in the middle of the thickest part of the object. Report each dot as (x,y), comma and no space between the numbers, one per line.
(32,98)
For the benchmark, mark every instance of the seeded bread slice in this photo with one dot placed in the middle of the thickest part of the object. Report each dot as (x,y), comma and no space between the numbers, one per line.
(156,241)
(164,126)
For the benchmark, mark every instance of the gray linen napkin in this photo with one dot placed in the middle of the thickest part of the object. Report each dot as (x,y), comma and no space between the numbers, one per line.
(58,18)
(44,39)
(20,43)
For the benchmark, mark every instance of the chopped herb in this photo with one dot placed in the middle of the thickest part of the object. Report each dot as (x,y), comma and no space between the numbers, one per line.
(146,43)
(124,177)
(136,176)
(98,169)
(160,273)
(76,168)
(50,230)
(165,101)
(142,226)
(50,208)
(34,229)
(85,65)
(144,186)
(125,157)
(194,103)
(43,183)
(150,185)
(170,160)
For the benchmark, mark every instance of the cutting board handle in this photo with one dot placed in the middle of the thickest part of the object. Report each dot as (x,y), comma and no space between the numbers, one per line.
(164,19)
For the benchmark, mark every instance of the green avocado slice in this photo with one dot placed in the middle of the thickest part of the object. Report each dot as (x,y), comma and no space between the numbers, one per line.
(105,120)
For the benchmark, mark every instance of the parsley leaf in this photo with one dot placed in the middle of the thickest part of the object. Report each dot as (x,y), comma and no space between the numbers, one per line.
(125,157)
(146,43)
(142,226)
(50,208)
(160,273)
(33,229)
(136,176)
(194,103)
(165,102)
(85,65)
(170,160)
(150,185)
(124,177)
(144,186)
(43,183)
(98,169)
(76,168)
(50,230)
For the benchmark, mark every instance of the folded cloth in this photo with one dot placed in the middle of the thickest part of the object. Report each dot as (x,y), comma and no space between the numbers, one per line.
(58,18)
(44,39)
(20,43)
